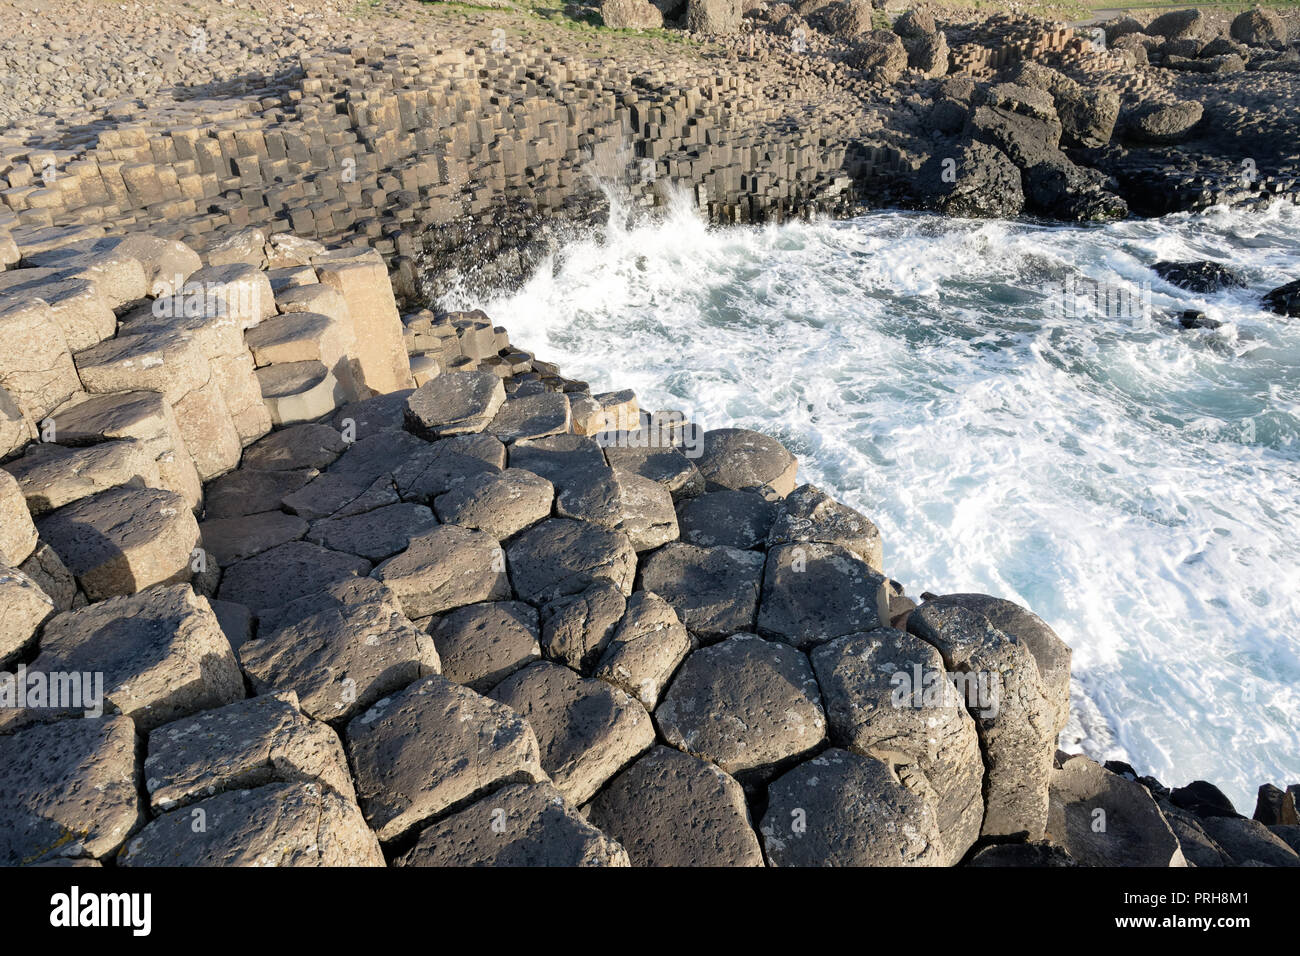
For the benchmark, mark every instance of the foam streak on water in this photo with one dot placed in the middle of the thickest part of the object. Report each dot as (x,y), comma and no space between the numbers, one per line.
(1136,484)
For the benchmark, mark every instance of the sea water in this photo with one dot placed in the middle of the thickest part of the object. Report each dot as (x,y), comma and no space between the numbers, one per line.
(1014,407)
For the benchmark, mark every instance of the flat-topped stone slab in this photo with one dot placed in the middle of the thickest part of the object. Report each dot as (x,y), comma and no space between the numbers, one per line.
(25,607)
(531,416)
(733,519)
(249,491)
(18,536)
(647,648)
(814,592)
(445,568)
(408,753)
(714,590)
(664,464)
(560,459)
(124,540)
(69,790)
(228,540)
(843,809)
(161,652)
(560,557)
(52,476)
(280,824)
(1014,717)
(341,659)
(376,534)
(672,809)
(499,503)
(518,825)
(296,447)
(737,458)
(243,745)
(577,628)
(586,729)
(286,572)
(747,704)
(454,403)
(298,391)
(481,645)
(439,467)
(888,695)
(809,514)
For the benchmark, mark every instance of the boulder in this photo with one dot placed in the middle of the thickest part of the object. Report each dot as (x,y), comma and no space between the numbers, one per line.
(972,180)
(408,753)
(843,809)
(519,825)
(888,696)
(1103,819)
(446,568)
(1163,123)
(481,645)
(1285,299)
(672,809)
(713,16)
(1275,807)
(280,824)
(713,590)
(814,592)
(631,15)
(737,458)
(586,730)
(749,705)
(646,649)
(243,745)
(1199,275)
(161,653)
(340,660)
(879,54)
(1259,27)
(69,790)
(1178,25)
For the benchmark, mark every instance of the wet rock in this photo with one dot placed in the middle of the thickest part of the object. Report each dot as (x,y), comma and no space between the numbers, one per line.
(714,590)
(499,503)
(586,730)
(518,825)
(408,753)
(1102,819)
(339,660)
(1285,299)
(561,557)
(646,649)
(446,568)
(843,809)
(747,704)
(280,824)
(733,519)
(672,809)
(161,652)
(737,458)
(241,746)
(974,180)
(1199,275)
(481,645)
(814,592)
(888,696)
(69,790)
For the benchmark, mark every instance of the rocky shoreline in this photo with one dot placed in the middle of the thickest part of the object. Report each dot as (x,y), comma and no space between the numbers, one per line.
(351,581)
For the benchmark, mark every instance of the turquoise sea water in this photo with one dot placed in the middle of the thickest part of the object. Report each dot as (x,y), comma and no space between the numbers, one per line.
(1013,407)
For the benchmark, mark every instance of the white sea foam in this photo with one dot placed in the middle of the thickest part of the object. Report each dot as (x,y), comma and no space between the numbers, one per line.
(1136,484)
